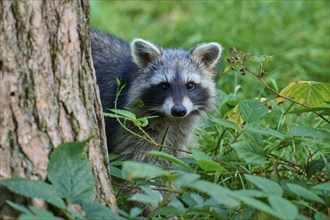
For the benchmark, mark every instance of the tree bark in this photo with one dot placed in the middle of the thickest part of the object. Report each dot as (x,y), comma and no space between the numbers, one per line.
(48,90)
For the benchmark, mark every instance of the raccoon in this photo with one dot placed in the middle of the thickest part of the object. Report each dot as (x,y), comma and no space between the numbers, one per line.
(174,84)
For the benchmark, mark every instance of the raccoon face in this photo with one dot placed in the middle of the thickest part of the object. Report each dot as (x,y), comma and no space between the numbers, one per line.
(174,82)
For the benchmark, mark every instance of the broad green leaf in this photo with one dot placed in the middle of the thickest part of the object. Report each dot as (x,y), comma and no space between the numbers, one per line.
(253,193)
(252,110)
(321,216)
(206,162)
(305,131)
(255,203)
(169,158)
(133,169)
(175,202)
(268,186)
(220,194)
(184,179)
(134,212)
(34,189)
(225,123)
(139,197)
(114,171)
(249,152)
(305,193)
(263,131)
(124,113)
(322,187)
(312,94)
(283,207)
(199,201)
(69,171)
(235,116)
(95,211)
(38,213)
(154,194)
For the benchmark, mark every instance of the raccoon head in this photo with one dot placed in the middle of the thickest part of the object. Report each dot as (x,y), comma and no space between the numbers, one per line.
(174,82)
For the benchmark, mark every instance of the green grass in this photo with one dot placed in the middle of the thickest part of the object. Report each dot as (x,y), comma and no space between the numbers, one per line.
(296,32)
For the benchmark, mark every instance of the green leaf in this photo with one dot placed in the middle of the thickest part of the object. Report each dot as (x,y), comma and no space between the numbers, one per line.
(249,152)
(175,202)
(69,171)
(227,68)
(312,94)
(169,158)
(133,170)
(263,131)
(143,198)
(303,192)
(111,115)
(304,131)
(234,116)
(321,216)
(184,179)
(268,186)
(142,122)
(199,201)
(255,203)
(38,213)
(34,189)
(114,171)
(154,194)
(253,193)
(220,194)
(118,82)
(225,123)
(134,212)
(206,162)
(284,208)
(18,207)
(252,110)
(322,187)
(95,210)
(124,113)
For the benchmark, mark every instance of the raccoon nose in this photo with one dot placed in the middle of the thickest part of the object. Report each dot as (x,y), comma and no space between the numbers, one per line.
(178,111)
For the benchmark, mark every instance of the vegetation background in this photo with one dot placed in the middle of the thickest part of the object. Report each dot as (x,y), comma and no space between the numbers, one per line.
(264,153)
(282,147)
(296,32)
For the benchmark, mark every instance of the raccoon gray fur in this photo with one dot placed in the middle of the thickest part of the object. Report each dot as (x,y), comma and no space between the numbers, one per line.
(175,84)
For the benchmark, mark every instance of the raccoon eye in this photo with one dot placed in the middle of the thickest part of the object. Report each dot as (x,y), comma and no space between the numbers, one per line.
(190,85)
(164,86)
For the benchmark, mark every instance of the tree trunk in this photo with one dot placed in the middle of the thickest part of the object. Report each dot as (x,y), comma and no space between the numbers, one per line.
(48,90)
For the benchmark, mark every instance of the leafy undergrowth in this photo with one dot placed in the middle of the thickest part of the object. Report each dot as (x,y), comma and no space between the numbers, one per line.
(264,157)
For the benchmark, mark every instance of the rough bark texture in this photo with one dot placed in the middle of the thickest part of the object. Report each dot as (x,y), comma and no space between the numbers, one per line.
(48,90)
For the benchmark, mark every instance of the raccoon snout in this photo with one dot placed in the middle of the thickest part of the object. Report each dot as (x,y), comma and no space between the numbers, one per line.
(178,111)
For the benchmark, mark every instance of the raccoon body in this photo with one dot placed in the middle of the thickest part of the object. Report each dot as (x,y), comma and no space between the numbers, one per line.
(174,84)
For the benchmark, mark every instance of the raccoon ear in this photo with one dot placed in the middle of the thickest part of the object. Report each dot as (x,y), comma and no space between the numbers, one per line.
(208,54)
(143,52)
